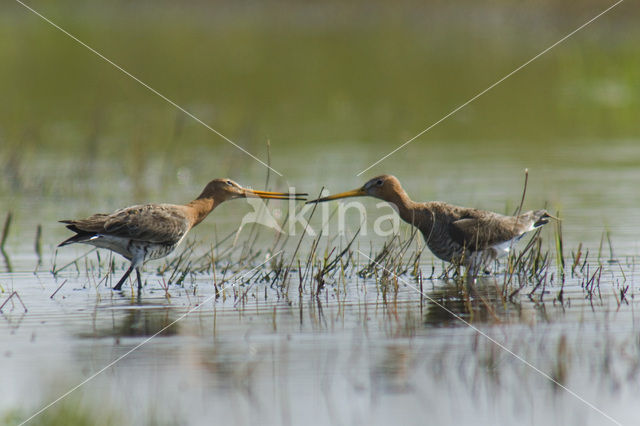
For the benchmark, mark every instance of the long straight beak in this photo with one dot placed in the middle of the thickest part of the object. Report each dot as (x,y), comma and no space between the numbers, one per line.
(554,218)
(276,195)
(353,193)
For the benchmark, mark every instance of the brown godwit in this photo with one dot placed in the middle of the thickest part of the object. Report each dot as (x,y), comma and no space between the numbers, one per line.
(152,231)
(460,235)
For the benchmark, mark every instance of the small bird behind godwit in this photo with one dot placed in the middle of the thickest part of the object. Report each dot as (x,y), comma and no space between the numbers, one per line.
(152,231)
(460,235)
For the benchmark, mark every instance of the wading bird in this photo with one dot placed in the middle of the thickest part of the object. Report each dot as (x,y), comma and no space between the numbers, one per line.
(152,231)
(460,235)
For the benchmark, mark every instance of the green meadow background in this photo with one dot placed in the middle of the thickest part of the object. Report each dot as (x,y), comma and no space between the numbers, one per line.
(305,73)
(332,86)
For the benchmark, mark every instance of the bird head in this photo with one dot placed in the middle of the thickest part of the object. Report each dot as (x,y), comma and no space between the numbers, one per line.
(383,187)
(225,189)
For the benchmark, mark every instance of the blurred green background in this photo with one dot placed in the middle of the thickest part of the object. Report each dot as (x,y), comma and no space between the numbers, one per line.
(332,85)
(302,73)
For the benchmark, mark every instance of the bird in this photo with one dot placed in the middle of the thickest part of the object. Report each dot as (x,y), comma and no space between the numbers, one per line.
(460,235)
(152,231)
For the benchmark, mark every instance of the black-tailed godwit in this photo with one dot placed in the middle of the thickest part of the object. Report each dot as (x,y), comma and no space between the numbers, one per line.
(152,231)
(460,235)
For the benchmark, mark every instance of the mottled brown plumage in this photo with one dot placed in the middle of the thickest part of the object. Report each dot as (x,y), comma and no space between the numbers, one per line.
(460,235)
(152,231)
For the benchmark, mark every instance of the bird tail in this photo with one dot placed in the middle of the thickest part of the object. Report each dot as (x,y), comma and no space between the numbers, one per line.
(80,237)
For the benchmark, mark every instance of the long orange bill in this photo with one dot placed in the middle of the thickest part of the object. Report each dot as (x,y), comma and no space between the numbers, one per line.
(276,195)
(554,218)
(353,193)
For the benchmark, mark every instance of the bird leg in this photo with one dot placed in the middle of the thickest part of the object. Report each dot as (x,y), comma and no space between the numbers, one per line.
(470,281)
(474,266)
(118,286)
(139,279)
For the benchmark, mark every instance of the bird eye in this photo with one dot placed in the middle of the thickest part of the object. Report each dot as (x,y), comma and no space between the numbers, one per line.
(229,183)
(379,182)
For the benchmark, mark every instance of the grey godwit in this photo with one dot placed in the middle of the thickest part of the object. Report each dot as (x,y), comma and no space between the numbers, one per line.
(152,231)
(460,235)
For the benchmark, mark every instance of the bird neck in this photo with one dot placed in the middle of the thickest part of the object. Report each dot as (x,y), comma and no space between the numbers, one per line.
(199,209)
(407,208)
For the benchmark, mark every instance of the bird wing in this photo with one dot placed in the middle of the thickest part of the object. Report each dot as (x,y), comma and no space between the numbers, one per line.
(156,223)
(479,230)
(150,222)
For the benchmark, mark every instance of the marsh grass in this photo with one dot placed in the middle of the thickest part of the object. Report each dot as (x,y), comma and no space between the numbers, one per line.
(331,264)
(3,240)
(332,267)
(70,411)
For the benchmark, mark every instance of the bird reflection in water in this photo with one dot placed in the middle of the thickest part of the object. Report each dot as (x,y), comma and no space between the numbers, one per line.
(137,321)
(446,304)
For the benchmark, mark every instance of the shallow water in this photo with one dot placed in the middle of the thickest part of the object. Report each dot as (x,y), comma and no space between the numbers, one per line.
(362,351)
(350,358)
(333,90)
